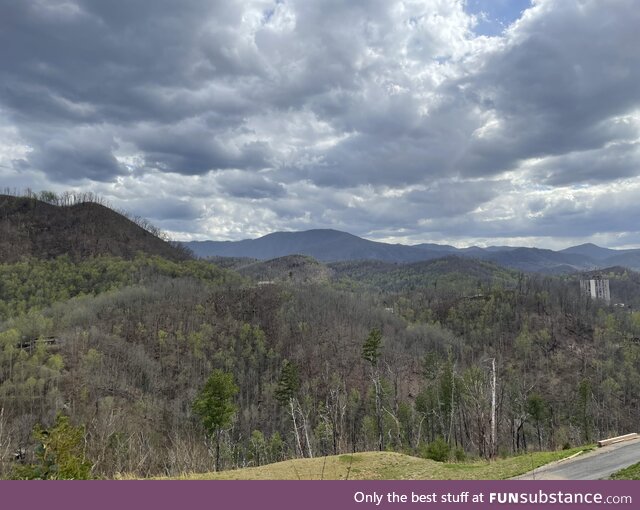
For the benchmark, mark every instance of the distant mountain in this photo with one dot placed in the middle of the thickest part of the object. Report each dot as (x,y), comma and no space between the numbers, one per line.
(591,250)
(538,260)
(324,245)
(630,259)
(335,246)
(443,248)
(32,228)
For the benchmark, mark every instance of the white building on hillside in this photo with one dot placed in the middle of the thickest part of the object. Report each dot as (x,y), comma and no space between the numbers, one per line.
(598,288)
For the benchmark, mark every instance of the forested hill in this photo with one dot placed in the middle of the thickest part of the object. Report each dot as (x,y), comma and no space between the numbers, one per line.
(116,358)
(452,271)
(34,228)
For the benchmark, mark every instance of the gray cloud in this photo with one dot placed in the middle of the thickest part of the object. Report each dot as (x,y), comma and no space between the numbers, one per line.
(575,215)
(194,148)
(83,153)
(569,70)
(613,162)
(369,116)
(447,198)
(162,209)
(249,185)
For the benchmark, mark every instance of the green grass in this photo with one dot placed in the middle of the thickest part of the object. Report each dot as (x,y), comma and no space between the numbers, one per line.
(630,473)
(388,466)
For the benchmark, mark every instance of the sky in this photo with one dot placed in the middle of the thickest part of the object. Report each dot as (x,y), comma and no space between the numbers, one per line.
(486,122)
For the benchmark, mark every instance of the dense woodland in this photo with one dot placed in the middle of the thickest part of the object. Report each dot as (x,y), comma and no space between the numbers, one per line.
(116,352)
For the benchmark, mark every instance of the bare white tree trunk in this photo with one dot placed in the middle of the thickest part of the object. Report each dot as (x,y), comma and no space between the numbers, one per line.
(5,441)
(292,410)
(306,430)
(492,453)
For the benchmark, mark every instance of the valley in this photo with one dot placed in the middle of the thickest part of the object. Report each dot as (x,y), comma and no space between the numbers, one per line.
(324,358)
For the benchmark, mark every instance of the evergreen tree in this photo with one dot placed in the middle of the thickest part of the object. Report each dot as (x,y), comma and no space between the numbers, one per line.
(288,384)
(215,406)
(371,347)
(371,350)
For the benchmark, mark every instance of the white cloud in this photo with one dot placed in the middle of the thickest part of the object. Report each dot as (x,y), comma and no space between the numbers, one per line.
(374,117)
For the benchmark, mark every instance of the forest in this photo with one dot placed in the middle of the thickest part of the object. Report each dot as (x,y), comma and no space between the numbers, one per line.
(117,352)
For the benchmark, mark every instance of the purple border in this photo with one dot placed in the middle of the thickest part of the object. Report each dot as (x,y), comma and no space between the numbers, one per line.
(312,495)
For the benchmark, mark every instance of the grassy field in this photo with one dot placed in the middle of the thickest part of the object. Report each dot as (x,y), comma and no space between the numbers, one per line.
(387,466)
(630,473)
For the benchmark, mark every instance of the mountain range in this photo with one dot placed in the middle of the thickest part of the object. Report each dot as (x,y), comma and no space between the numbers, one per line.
(328,245)
(34,228)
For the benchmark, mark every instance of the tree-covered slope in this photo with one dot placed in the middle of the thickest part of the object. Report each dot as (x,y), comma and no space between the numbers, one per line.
(34,284)
(292,268)
(127,360)
(350,357)
(449,273)
(33,228)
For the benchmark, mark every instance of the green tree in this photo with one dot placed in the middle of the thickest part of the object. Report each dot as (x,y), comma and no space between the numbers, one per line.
(49,196)
(372,346)
(537,409)
(59,454)
(214,404)
(288,385)
(371,350)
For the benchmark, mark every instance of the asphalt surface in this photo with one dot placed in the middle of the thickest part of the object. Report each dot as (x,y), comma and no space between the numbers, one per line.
(595,465)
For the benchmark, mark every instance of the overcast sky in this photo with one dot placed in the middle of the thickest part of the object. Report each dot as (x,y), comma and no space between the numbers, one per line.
(462,122)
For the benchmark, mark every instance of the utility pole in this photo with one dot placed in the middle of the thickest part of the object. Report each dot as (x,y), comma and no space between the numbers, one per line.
(493,408)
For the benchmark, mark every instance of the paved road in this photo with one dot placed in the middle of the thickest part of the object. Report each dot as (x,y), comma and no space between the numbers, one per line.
(595,465)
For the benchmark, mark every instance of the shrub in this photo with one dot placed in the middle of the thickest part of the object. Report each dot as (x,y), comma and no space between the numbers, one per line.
(59,454)
(437,450)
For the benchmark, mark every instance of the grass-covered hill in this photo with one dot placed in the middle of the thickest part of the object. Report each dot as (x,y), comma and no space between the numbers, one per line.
(30,227)
(387,466)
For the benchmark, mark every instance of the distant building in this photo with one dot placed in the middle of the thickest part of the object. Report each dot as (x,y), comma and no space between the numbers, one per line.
(598,288)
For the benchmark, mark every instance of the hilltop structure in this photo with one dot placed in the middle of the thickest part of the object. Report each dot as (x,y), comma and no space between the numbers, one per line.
(597,288)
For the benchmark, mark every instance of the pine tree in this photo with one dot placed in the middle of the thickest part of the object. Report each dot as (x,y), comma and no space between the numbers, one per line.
(371,347)
(215,406)
(371,350)
(286,394)
(288,383)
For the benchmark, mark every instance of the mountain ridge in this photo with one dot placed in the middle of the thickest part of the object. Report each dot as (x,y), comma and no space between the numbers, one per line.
(38,229)
(329,245)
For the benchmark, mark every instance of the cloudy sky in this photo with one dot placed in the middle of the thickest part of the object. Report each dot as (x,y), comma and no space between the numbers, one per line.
(458,121)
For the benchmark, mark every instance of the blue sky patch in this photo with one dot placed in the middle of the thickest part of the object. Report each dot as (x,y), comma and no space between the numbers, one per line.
(494,16)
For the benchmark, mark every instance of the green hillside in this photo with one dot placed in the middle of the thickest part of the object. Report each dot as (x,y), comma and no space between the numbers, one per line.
(387,466)
(320,363)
